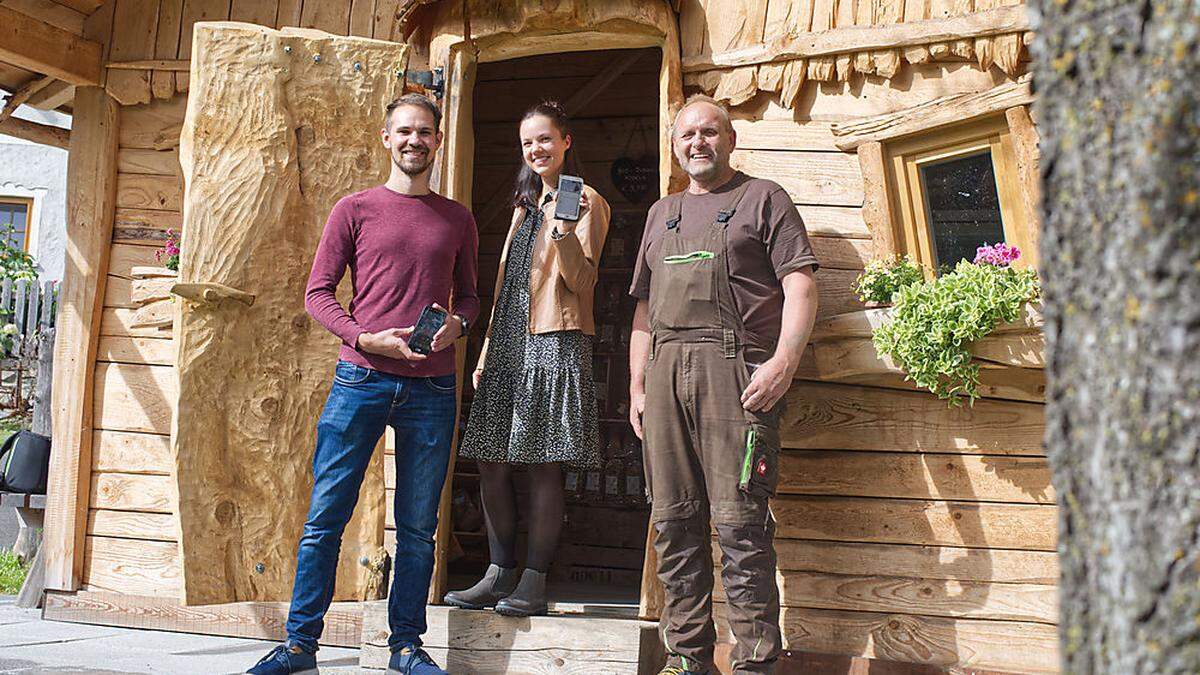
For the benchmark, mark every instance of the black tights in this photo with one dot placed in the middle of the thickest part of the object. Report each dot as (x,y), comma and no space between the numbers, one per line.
(500,509)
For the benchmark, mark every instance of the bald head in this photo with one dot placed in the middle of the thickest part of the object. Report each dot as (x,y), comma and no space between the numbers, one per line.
(703,138)
(708,104)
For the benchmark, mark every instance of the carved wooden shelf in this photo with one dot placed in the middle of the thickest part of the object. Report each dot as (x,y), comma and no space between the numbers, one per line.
(841,348)
(151,292)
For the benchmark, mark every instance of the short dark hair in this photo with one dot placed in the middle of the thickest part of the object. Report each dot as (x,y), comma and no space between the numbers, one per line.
(416,100)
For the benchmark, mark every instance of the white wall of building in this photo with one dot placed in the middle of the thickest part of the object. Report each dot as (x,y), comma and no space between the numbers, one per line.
(39,172)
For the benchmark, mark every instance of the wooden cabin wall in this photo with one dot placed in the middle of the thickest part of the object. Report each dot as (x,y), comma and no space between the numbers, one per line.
(907,530)
(133,521)
(132,525)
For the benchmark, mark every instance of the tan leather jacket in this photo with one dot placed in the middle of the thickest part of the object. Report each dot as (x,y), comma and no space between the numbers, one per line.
(563,274)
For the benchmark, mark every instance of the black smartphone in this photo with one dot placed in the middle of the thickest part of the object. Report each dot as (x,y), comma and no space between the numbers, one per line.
(429,323)
(566,204)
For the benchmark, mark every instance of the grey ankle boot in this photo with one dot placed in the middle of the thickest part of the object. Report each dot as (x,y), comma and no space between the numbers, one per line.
(528,599)
(496,583)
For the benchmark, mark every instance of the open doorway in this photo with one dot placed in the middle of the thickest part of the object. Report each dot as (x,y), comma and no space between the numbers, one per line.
(612,97)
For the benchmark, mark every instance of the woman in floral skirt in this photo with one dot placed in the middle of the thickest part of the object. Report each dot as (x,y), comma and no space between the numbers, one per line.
(534,404)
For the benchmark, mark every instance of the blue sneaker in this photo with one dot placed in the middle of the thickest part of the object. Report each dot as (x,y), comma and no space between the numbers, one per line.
(413,661)
(285,660)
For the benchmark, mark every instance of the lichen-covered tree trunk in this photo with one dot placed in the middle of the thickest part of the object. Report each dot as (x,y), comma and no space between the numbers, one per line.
(1118,87)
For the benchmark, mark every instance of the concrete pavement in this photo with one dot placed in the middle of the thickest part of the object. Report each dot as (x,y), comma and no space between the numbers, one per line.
(30,645)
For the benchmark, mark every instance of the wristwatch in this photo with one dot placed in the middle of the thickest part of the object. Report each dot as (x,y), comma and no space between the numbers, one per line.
(466,325)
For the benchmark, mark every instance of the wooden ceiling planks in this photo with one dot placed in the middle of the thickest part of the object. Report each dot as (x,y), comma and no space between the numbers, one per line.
(135,40)
(254,11)
(166,46)
(331,16)
(148,31)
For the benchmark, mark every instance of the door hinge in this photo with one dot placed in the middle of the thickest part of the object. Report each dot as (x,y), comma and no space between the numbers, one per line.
(432,80)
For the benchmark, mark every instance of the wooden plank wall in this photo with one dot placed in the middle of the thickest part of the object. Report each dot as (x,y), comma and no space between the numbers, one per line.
(712,30)
(132,528)
(161,30)
(907,531)
(132,525)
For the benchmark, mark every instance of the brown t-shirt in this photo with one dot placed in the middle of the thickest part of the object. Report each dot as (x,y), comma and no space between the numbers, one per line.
(766,241)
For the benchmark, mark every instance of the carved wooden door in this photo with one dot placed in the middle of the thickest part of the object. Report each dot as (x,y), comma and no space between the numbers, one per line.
(279,126)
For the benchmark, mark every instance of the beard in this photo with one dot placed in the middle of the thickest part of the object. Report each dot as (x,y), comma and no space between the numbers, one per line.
(701,170)
(412,165)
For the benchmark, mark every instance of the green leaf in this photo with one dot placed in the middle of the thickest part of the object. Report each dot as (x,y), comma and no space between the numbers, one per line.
(934,322)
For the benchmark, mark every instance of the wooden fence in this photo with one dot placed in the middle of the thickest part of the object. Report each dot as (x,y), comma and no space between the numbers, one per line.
(30,307)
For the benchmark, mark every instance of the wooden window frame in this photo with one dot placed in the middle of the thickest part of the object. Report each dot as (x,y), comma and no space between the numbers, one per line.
(904,158)
(454,176)
(29,205)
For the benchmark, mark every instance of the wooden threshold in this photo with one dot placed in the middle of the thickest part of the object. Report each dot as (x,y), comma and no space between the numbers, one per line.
(256,620)
(485,643)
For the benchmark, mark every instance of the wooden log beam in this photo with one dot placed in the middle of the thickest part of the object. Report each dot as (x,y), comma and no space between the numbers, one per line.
(23,94)
(942,111)
(35,45)
(91,198)
(866,38)
(877,207)
(173,65)
(57,94)
(36,133)
(1027,155)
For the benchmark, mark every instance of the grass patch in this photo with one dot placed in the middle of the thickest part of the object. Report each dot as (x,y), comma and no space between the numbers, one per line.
(12,573)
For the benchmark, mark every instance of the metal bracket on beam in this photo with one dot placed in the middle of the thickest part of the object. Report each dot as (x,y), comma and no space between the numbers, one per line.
(433,80)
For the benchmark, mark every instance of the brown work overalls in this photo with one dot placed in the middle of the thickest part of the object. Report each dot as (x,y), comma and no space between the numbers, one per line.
(704,452)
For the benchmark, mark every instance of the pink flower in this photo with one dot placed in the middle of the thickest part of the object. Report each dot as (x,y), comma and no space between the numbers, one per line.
(170,249)
(999,255)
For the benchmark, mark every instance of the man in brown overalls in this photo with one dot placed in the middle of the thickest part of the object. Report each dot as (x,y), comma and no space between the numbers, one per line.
(726,301)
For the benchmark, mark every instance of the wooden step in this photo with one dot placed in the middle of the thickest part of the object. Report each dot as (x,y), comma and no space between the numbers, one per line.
(483,643)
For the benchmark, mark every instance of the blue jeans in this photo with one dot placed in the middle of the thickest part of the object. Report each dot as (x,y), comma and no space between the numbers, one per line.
(421,411)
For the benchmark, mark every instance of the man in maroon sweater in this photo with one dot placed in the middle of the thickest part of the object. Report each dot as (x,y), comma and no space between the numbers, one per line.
(406,248)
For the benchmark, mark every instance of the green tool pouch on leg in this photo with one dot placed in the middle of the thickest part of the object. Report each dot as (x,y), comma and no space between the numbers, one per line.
(760,464)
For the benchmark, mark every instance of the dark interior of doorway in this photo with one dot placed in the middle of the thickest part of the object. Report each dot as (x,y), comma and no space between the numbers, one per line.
(612,99)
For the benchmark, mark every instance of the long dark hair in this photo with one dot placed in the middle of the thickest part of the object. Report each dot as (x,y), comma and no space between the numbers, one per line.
(528,187)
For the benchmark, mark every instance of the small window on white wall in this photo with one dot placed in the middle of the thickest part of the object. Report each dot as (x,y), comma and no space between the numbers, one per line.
(14,220)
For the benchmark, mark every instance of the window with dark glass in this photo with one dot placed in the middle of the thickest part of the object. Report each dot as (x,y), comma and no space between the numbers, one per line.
(962,207)
(14,222)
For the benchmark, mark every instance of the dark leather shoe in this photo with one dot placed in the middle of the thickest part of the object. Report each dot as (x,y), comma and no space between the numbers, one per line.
(528,599)
(496,583)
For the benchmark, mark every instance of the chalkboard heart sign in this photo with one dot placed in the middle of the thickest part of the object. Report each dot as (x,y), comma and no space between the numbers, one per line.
(634,178)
